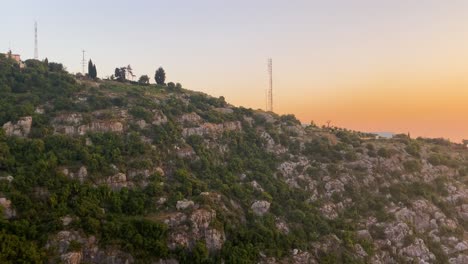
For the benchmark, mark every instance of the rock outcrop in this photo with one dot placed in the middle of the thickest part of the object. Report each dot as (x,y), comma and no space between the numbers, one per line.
(7,209)
(260,207)
(20,128)
(89,251)
(212,129)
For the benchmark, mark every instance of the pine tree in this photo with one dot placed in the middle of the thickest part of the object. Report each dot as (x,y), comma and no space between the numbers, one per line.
(160,76)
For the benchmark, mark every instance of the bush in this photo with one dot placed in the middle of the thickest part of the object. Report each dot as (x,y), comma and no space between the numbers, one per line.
(413,148)
(383,152)
(412,166)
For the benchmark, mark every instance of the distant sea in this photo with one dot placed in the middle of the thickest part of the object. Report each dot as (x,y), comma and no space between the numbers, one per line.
(384,134)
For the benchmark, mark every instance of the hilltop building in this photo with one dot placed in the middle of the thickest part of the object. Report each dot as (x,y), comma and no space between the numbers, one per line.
(15,57)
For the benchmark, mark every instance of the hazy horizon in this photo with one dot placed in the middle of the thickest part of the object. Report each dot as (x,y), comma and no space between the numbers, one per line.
(394,66)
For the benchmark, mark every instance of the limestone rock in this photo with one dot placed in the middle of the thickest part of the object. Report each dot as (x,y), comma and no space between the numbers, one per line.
(418,251)
(260,207)
(72,257)
(184,204)
(21,128)
(66,220)
(90,251)
(8,178)
(103,126)
(214,239)
(159,118)
(191,118)
(117,181)
(212,129)
(8,211)
(141,123)
(224,110)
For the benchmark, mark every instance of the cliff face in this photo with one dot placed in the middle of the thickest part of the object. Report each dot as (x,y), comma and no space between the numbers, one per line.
(123,173)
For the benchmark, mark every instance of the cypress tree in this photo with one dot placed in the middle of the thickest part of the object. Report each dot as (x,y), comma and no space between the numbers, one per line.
(94,72)
(90,69)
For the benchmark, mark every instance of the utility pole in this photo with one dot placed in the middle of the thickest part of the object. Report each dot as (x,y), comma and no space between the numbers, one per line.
(270,90)
(83,63)
(36,49)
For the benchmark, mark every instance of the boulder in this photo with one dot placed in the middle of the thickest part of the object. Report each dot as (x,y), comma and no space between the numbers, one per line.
(184,204)
(260,207)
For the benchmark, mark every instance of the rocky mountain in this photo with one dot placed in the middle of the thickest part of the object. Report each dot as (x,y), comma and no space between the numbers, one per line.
(110,172)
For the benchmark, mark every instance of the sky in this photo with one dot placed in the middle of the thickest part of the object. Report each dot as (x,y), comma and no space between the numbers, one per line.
(391,65)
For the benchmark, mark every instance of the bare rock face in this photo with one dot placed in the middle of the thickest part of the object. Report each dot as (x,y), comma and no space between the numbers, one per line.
(8,211)
(212,129)
(267,117)
(117,182)
(271,145)
(201,220)
(329,211)
(260,207)
(66,220)
(72,124)
(68,119)
(302,257)
(418,252)
(72,257)
(80,175)
(185,152)
(297,130)
(224,110)
(396,233)
(214,239)
(185,231)
(109,126)
(159,118)
(8,178)
(460,259)
(184,204)
(282,226)
(191,118)
(89,252)
(21,128)
(141,123)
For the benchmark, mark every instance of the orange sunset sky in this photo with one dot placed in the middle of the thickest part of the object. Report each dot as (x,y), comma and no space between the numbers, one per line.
(396,66)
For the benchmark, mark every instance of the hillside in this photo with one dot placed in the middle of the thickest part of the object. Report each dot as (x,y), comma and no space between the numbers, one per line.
(109,172)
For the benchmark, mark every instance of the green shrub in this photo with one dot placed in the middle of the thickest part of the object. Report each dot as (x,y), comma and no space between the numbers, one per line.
(412,165)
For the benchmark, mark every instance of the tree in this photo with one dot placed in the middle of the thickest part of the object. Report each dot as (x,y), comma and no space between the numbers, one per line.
(119,74)
(144,79)
(160,76)
(130,72)
(92,72)
(90,68)
(94,76)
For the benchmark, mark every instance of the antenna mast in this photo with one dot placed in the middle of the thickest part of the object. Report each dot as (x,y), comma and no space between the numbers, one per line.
(83,63)
(270,89)
(36,49)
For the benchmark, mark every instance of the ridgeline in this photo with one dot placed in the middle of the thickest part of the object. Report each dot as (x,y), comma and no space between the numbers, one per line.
(100,171)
